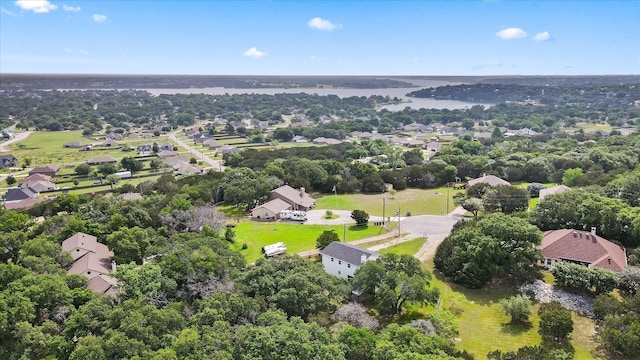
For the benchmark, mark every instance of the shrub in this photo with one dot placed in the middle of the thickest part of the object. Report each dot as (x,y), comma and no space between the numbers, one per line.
(518,307)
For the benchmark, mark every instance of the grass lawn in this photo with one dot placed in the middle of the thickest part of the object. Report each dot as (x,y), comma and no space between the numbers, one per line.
(416,201)
(45,147)
(484,327)
(407,247)
(296,237)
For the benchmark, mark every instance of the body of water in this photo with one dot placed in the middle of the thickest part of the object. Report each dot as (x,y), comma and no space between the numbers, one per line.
(400,93)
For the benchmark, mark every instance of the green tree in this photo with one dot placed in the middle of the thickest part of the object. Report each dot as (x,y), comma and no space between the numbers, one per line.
(572,177)
(358,343)
(112,179)
(473,205)
(141,281)
(518,307)
(11,180)
(107,169)
(493,246)
(326,238)
(361,217)
(394,280)
(555,321)
(128,245)
(130,163)
(505,198)
(82,169)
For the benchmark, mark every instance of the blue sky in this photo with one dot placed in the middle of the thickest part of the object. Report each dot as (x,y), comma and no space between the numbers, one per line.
(320,37)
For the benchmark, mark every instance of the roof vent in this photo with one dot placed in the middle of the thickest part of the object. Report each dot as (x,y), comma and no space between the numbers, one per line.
(575,234)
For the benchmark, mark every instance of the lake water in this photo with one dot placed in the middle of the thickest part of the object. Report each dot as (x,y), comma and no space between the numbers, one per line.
(400,93)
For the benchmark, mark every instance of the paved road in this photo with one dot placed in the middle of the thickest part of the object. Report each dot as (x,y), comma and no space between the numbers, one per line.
(433,228)
(215,164)
(18,137)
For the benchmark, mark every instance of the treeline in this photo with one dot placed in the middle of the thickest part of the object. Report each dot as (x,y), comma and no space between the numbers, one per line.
(618,96)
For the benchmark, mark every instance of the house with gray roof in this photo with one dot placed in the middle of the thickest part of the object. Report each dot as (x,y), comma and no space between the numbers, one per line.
(17,194)
(297,198)
(343,259)
(7,161)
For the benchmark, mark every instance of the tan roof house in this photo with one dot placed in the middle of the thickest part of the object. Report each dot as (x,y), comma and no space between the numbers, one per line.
(49,170)
(581,247)
(297,198)
(553,190)
(489,179)
(270,210)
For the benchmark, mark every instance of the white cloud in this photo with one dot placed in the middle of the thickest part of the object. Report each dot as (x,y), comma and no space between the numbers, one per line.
(70,8)
(543,36)
(511,33)
(323,24)
(37,6)
(5,11)
(254,53)
(99,18)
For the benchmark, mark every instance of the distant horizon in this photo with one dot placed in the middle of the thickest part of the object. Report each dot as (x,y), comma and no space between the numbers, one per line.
(320,38)
(308,75)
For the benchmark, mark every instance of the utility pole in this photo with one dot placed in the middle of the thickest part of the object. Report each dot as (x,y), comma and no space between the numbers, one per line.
(344,232)
(384,200)
(399,222)
(447,198)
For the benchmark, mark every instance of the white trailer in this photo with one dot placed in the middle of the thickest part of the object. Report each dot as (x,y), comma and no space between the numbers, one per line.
(274,249)
(294,215)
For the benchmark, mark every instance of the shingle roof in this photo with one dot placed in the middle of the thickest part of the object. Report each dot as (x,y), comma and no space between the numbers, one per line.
(296,196)
(275,206)
(100,263)
(101,284)
(167,153)
(15,194)
(582,246)
(553,190)
(347,252)
(34,177)
(82,241)
(489,179)
(20,204)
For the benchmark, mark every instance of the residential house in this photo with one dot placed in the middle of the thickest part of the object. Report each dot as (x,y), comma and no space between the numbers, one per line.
(299,139)
(39,185)
(343,259)
(49,170)
(228,149)
(521,132)
(553,190)
(167,153)
(212,144)
(8,161)
(102,160)
(489,179)
(92,260)
(415,127)
(20,204)
(165,146)
(581,247)
(146,149)
(433,146)
(114,136)
(110,142)
(200,138)
(17,194)
(183,168)
(449,131)
(74,145)
(270,210)
(191,132)
(297,198)
(327,141)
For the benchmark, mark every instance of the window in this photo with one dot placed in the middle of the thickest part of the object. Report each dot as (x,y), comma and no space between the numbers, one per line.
(339,272)
(339,262)
(331,259)
(349,266)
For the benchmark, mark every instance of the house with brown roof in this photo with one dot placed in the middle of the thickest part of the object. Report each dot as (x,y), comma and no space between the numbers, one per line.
(74,145)
(488,179)
(102,160)
(270,210)
(581,247)
(553,190)
(167,153)
(92,260)
(34,177)
(49,170)
(110,142)
(297,198)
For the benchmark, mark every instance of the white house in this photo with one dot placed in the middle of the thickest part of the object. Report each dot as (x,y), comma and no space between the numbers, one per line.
(342,259)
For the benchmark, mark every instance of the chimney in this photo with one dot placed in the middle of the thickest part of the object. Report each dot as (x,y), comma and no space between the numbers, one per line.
(363,259)
(593,230)
(301,192)
(113,265)
(575,234)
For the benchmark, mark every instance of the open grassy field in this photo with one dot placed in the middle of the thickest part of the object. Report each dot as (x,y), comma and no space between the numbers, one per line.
(405,248)
(45,147)
(484,327)
(416,201)
(296,237)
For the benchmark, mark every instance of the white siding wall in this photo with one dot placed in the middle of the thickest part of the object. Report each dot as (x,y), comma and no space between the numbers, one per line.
(337,267)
